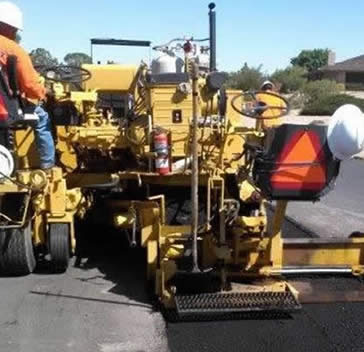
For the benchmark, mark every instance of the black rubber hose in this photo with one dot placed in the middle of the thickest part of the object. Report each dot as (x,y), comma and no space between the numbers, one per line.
(103,185)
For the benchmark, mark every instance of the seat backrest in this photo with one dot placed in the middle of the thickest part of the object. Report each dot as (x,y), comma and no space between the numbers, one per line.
(13,112)
(9,104)
(15,133)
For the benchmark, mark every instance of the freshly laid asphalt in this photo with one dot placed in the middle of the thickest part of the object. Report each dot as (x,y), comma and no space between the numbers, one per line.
(340,212)
(103,305)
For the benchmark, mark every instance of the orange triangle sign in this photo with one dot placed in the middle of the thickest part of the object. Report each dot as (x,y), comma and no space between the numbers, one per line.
(301,164)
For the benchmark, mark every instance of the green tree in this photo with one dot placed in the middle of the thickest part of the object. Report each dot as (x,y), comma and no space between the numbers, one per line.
(42,57)
(311,60)
(247,78)
(77,59)
(290,79)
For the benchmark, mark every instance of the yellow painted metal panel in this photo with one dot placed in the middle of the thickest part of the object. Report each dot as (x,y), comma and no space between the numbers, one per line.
(110,77)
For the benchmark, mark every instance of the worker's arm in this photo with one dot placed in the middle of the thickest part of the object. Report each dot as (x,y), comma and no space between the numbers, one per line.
(28,78)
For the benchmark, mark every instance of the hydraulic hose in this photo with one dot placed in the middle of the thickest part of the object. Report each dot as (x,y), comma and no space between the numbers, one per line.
(111,184)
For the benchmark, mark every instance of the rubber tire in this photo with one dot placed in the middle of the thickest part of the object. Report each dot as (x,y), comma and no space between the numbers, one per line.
(59,247)
(17,253)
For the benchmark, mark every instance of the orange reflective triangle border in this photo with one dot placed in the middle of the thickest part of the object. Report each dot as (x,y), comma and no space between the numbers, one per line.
(301,165)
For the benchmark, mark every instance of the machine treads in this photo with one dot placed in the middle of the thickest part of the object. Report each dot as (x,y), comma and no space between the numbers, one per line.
(215,303)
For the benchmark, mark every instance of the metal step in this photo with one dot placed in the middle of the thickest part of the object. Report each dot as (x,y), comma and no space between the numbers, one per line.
(236,302)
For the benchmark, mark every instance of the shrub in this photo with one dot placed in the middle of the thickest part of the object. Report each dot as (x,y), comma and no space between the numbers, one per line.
(296,100)
(316,90)
(326,105)
(247,78)
(290,79)
(355,86)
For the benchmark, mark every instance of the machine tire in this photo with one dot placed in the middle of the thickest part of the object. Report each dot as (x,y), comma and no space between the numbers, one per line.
(17,256)
(59,247)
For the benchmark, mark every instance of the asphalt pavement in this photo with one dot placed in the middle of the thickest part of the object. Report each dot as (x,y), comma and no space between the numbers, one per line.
(340,212)
(103,305)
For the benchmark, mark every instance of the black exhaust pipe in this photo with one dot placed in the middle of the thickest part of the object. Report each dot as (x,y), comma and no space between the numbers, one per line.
(212,16)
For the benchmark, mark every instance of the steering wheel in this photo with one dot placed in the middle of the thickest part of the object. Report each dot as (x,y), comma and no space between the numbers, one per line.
(254,105)
(64,73)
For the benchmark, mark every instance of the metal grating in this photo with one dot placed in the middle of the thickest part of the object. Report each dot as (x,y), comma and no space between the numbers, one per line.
(216,303)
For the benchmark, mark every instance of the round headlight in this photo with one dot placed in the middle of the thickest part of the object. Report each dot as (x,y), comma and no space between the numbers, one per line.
(6,163)
(345,133)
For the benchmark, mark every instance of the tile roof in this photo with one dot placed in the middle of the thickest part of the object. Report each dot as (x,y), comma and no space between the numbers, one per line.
(356,64)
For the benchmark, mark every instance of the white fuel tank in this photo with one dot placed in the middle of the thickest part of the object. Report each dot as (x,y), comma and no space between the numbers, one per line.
(345,134)
(167,64)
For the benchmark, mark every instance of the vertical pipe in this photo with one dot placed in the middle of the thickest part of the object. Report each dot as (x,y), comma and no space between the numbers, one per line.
(212,17)
(92,53)
(194,177)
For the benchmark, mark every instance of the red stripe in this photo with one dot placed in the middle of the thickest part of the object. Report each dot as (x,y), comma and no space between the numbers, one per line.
(306,186)
(4,115)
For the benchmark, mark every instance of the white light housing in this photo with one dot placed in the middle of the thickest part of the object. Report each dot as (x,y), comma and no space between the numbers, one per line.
(345,134)
(6,163)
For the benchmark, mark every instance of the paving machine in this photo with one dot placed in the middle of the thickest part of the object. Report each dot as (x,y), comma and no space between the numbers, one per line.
(36,207)
(166,154)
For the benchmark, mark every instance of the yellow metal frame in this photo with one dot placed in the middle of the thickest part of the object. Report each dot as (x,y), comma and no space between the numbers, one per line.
(49,201)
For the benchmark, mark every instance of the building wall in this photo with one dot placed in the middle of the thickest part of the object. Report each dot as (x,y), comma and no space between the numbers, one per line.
(355,80)
(351,80)
(339,77)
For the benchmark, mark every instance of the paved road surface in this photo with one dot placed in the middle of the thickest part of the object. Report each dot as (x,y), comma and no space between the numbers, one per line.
(341,212)
(318,328)
(103,305)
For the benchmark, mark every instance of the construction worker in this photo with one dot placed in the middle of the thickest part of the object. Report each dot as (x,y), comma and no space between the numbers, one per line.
(270,100)
(11,21)
(267,86)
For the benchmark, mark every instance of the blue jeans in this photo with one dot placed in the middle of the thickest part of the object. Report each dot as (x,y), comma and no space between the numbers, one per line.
(44,139)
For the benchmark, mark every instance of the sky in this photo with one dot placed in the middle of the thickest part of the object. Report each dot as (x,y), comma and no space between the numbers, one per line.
(264,32)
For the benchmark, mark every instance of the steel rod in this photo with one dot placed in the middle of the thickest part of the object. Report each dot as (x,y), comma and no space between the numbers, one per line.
(194,177)
(320,241)
(212,16)
(312,270)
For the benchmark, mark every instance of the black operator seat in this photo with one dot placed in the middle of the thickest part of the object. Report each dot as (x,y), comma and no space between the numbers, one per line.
(15,113)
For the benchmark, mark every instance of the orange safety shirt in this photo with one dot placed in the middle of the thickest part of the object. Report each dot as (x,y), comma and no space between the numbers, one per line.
(28,78)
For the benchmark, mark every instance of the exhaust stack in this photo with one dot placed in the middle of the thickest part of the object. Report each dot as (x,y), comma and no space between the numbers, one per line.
(212,17)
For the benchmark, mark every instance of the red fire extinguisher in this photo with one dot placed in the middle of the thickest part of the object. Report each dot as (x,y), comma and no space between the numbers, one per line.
(161,147)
